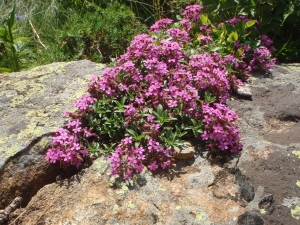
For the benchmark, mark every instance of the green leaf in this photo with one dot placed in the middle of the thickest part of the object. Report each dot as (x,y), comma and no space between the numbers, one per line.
(203,18)
(3,32)
(132,132)
(250,23)
(25,39)
(11,22)
(159,109)
(240,52)
(233,36)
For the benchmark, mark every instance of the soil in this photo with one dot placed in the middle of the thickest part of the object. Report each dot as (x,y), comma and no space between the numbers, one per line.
(275,115)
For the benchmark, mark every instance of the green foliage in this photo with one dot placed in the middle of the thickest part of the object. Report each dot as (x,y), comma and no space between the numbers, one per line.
(162,116)
(109,118)
(279,19)
(228,34)
(11,47)
(95,149)
(98,34)
(148,11)
(97,30)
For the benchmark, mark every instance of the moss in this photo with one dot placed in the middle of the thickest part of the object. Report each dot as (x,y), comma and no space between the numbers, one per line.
(262,211)
(115,209)
(131,205)
(296,153)
(296,212)
(201,216)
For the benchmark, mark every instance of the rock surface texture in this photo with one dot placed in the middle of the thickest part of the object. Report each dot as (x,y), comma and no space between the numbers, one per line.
(32,104)
(259,186)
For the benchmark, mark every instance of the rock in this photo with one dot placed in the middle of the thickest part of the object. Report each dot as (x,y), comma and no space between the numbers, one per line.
(168,198)
(194,191)
(246,190)
(266,204)
(270,129)
(231,184)
(250,218)
(31,107)
(244,90)
(4,214)
(184,151)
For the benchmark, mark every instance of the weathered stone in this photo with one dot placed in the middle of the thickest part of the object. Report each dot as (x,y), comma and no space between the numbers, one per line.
(184,151)
(244,90)
(250,218)
(266,204)
(232,184)
(165,199)
(194,191)
(4,214)
(31,109)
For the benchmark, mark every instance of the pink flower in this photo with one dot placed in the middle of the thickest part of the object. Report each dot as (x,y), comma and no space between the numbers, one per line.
(192,12)
(127,140)
(153,166)
(172,103)
(150,118)
(155,126)
(84,102)
(161,24)
(205,39)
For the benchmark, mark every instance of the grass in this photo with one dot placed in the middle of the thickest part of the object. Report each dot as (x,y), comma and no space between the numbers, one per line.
(95,29)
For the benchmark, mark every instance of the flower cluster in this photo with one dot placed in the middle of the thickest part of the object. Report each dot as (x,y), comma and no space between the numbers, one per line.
(261,59)
(161,24)
(84,102)
(192,13)
(66,146)
(209,74)
(251,58)
(163,90)
(127,160)
(220,132)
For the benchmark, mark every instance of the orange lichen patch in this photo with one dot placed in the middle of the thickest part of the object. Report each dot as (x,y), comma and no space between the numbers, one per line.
(262,153)
(226,187)
(279,126)
(219,210)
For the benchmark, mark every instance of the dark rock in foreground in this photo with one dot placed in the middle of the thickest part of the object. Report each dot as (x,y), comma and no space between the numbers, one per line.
(32,104)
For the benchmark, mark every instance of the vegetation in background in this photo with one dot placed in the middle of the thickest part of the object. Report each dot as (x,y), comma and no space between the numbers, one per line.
(279,19)
(12,48)
(97,34)
(171,85)
(81,29)
(149,11)
(97,30)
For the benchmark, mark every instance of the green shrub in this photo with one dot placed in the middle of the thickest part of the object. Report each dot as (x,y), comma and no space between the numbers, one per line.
(98,35)
(73,29)
(279,19)
(12,48)
(148,11)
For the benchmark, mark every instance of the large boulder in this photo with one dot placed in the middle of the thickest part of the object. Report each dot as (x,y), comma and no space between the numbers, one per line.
(32,104)
(259,186)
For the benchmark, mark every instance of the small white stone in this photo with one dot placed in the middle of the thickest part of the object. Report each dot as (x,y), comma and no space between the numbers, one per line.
(184,151)
(244,90)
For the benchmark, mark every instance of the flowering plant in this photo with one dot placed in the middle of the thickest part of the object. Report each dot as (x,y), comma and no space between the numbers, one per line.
(13,47)
(162,91)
